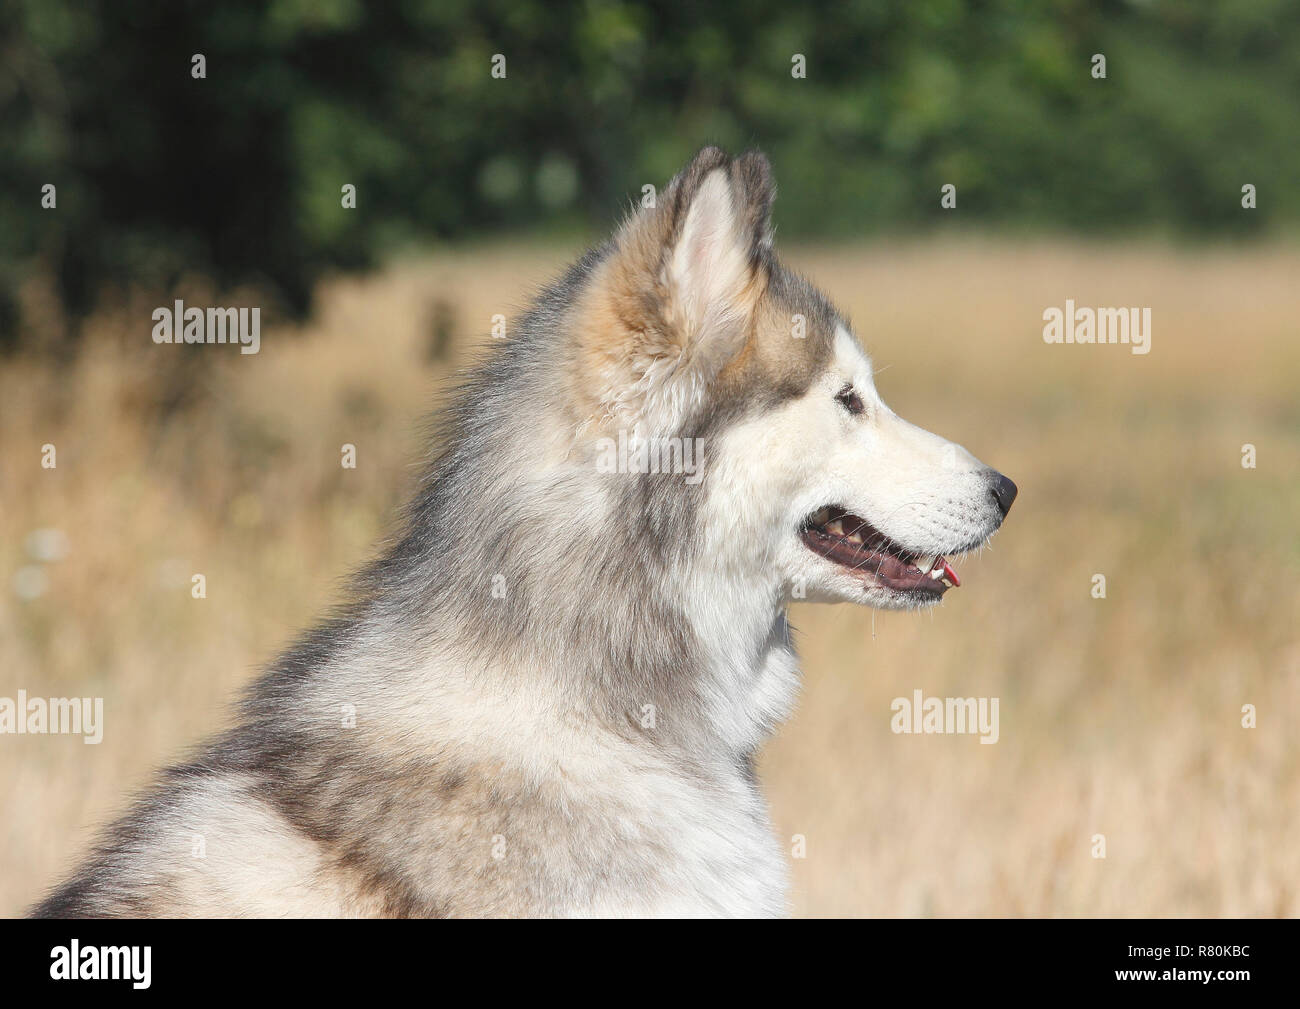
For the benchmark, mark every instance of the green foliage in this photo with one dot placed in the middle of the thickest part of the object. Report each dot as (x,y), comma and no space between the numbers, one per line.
(238,176)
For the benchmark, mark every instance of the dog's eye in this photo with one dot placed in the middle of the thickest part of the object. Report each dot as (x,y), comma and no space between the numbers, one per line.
(850,400)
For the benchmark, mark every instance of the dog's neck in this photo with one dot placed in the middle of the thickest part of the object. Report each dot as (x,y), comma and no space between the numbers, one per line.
(695,667)
(614,612)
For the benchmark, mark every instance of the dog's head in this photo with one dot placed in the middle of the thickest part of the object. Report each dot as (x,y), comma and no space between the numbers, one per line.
(691,330)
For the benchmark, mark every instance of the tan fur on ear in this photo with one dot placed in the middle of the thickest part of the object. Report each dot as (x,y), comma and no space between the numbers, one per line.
(675,300)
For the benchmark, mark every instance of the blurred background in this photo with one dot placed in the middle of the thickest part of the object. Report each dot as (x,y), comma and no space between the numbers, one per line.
(1120,716)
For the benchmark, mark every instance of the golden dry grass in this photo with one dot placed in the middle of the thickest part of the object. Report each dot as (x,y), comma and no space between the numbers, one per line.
(1118,716)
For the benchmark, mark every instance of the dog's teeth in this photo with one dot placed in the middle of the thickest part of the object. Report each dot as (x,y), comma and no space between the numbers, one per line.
(936,574)
(923,564)
(945,581)
(855,538)
(819,517)
(835,528)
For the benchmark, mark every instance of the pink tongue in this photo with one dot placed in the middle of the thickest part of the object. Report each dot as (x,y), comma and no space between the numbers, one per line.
(950,573)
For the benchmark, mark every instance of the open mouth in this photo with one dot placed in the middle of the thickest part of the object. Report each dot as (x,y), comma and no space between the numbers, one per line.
(853,543)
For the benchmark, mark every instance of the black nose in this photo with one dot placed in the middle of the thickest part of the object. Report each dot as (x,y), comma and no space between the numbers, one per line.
(1005,492)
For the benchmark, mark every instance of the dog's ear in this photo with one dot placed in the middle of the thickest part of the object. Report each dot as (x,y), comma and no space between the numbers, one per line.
(721,222)
(675,299)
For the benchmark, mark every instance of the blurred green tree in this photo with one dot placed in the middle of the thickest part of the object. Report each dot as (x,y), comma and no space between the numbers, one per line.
(240,175)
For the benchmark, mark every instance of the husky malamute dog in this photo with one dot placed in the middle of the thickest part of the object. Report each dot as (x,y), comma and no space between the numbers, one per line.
(546,697)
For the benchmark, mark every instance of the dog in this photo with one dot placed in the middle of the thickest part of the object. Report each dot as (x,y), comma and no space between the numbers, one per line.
(546,697)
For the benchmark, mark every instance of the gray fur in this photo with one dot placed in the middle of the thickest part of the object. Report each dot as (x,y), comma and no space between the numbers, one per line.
(398,815)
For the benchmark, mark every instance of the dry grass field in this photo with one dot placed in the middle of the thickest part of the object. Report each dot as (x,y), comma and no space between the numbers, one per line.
(1118,716)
